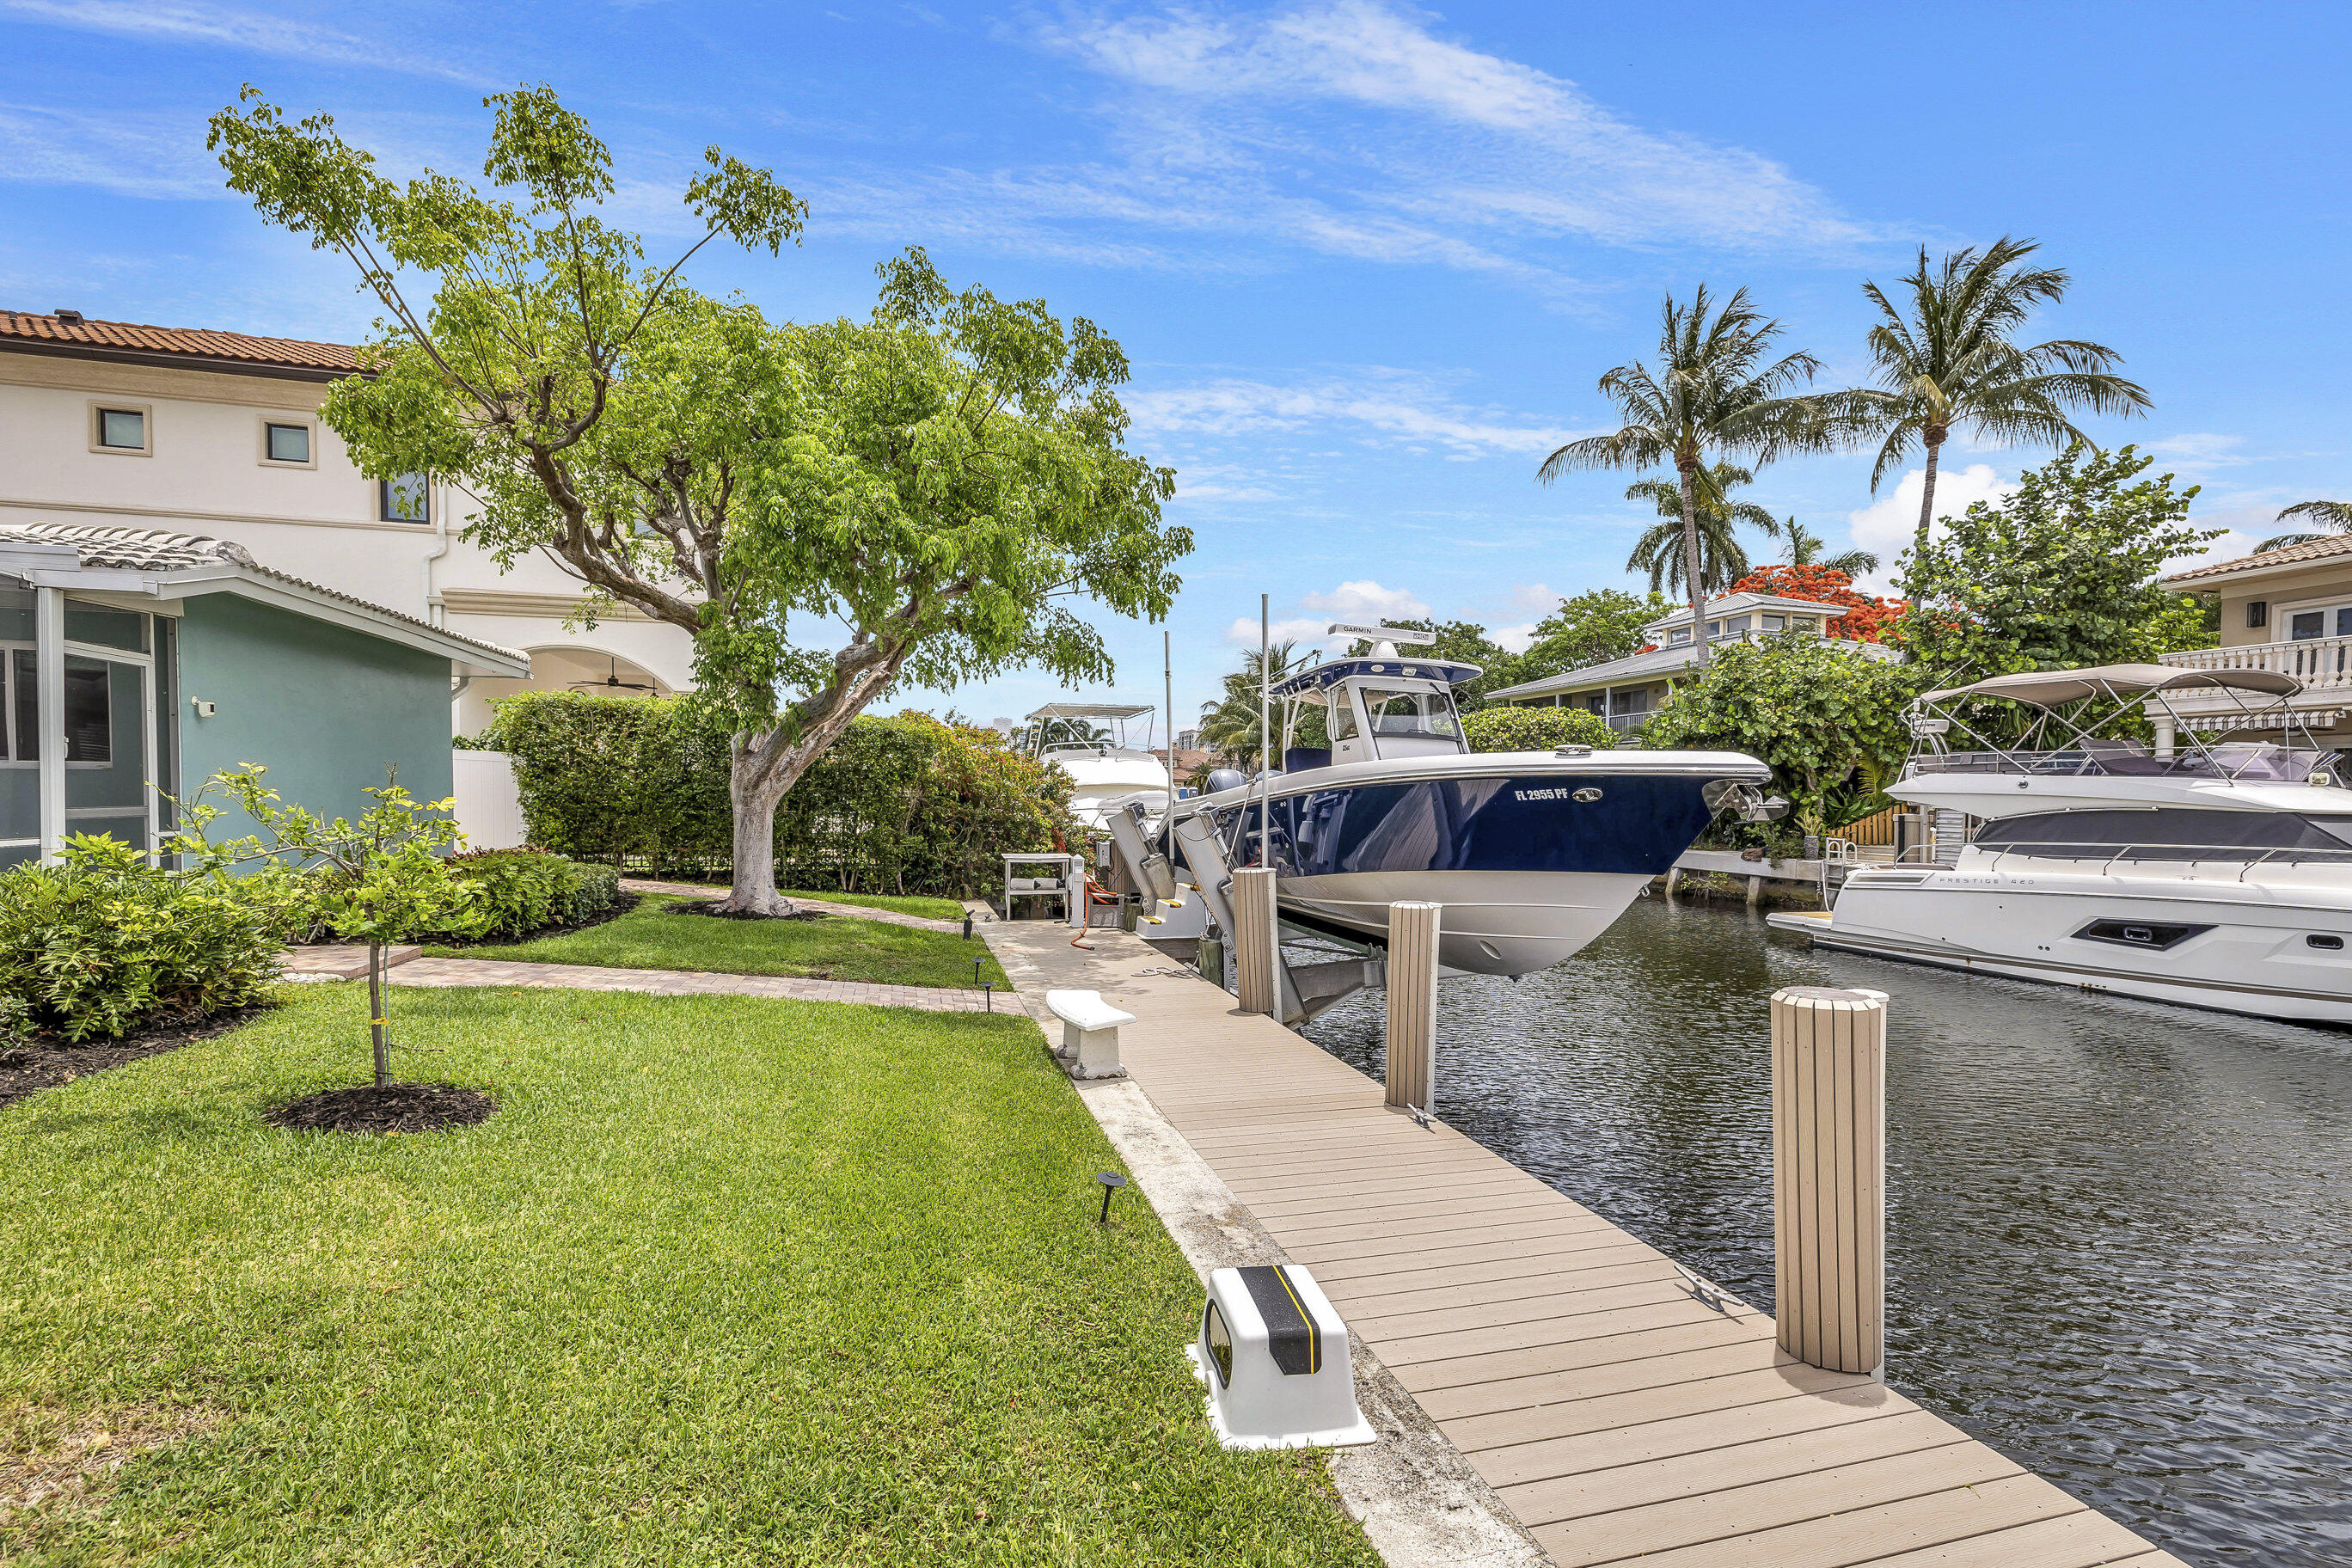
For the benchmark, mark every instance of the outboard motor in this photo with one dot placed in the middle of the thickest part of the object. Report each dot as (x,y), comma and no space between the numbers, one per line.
(1222,778)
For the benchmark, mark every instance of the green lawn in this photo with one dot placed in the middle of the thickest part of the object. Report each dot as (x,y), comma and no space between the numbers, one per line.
(938,909)
(726,1281)
(838,947)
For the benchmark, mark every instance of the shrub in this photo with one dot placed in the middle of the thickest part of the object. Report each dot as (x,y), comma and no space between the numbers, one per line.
(106,943)
(526,890)
(604,778)
(1516,729)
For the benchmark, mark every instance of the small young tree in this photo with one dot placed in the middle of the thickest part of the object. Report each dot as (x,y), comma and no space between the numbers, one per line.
(932,485)
(385,878)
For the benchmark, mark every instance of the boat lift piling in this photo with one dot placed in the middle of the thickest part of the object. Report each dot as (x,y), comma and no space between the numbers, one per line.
(1412,1023)
(1829,1176)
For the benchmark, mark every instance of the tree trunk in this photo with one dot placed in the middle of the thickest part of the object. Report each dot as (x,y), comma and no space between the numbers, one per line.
(379,1026)
(1690,568)
(1935,435)
(754,890)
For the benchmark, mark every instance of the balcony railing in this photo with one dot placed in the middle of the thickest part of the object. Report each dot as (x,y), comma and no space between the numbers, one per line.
(2320,663)
(1621,723)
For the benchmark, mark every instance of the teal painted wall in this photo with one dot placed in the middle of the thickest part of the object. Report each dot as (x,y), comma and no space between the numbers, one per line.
(323,706)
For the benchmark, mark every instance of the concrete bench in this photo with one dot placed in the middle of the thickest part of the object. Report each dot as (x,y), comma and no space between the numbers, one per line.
(1089,1033)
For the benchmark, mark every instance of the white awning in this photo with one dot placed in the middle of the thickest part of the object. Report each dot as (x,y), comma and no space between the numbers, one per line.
(2054,688)
(1090,710)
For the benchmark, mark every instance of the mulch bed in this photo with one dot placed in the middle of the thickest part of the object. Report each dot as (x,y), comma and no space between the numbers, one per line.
(47,1060)
(621,906)
(395,1108)
(712,908)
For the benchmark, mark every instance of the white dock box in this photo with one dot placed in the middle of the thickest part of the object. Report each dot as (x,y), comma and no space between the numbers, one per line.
(1273,1352)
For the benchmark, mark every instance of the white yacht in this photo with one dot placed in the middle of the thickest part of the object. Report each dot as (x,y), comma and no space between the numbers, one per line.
(1088,741)
(2214,874)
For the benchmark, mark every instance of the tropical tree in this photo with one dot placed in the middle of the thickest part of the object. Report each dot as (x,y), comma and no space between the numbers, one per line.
(1229,725)
(2064,570)
(1716,392)
(2329,517)
(1594,627)
(1805,549)
(925,491)
(1659,550)
(1948,360)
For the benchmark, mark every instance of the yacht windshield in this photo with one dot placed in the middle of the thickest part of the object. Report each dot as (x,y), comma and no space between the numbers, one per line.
(2171,834)
(1427,714)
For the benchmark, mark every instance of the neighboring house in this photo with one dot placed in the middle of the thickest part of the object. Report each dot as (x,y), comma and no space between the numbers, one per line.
(135,663)
(2286,610)
(217,434)
(1626,691)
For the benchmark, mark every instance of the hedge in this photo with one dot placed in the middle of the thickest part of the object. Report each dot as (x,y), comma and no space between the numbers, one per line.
(906,804)
(1518,728)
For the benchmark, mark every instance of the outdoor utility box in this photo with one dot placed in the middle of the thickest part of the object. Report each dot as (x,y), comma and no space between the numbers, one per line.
(1274,1353)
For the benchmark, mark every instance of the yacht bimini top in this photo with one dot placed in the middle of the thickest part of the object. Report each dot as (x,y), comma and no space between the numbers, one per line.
(2056,688)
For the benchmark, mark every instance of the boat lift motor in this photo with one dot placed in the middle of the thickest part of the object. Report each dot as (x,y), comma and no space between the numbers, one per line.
(1146,871)
(1744,799)
(1274,1352)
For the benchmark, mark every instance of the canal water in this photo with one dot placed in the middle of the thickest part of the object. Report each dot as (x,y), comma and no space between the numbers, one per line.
(2119,1235)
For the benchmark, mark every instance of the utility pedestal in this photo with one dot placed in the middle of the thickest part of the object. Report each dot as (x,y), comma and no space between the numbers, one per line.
(1829,1176)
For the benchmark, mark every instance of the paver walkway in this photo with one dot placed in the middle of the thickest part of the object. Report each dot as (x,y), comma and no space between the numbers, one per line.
(1616,1414)
(684,982)
(823,906)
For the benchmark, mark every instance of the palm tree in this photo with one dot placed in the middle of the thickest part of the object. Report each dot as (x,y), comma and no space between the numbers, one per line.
(1805,549)
(1951,362)
(1229,726)
(2331,516)
(1713,394)
(1722,563)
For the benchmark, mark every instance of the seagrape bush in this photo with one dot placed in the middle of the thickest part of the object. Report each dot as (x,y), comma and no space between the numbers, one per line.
(1514,729)
(905,804)
(104,944)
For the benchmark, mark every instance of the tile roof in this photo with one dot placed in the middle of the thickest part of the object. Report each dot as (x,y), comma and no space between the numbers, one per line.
(161,549)
(2314,549)
(20,329)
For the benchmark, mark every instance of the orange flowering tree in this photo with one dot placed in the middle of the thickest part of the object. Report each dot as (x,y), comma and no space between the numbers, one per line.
(1867,617)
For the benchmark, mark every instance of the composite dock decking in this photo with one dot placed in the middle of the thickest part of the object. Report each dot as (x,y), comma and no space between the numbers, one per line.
(1617,1414)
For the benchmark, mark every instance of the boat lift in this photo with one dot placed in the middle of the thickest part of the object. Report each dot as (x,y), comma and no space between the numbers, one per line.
(1306,989)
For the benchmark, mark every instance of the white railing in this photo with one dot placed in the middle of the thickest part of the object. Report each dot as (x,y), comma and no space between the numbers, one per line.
(2320,663)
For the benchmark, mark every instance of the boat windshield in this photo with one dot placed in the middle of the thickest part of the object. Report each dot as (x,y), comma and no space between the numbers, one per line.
(1424,714)
(2171,834)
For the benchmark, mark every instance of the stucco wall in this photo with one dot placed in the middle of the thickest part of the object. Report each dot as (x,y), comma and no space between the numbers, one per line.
(2331,581)
(323,706)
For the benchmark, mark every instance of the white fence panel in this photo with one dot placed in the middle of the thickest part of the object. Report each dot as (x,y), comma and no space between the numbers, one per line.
(489,806)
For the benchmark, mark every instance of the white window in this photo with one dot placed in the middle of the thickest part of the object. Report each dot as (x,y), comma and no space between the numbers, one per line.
(1340,724)
(289,443)
(1427,714)
(2305,622)
(1775,623)
(403,499)
(1679,634)
(123,429)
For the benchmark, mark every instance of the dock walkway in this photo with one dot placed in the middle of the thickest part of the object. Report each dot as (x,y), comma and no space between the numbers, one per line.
(1615,1412)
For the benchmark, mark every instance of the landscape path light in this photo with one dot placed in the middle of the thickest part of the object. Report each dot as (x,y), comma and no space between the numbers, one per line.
(1111,1182)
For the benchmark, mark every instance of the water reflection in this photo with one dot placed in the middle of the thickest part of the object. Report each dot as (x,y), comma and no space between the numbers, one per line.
(2119,1234)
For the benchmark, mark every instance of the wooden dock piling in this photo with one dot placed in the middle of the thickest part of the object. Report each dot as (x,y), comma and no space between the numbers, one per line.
(1829,1176)
(1413,1004)
(1258,953)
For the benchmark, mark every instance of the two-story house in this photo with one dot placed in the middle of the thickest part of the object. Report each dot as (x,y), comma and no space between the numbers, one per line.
(1626,691)
(217,434)
(2286,610)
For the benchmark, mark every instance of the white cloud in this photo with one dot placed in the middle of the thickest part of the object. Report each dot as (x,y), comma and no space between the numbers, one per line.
(1887,526)
(1516,639)
(247,32)
(2203,449)
(1395,405)
(1358,601)
(1536,596)
(145,156)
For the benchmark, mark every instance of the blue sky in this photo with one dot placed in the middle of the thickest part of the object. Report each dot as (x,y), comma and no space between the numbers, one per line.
(1369,259)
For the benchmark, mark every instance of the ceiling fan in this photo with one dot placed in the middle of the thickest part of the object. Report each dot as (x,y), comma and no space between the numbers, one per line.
(612,682)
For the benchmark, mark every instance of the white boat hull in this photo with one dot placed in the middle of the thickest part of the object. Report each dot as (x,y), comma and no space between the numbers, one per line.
(2252,955)
(1496,922)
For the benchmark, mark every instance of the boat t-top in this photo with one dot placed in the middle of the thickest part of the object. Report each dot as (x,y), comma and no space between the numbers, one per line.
(1532,854)
(1088,741)
(2214,873)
